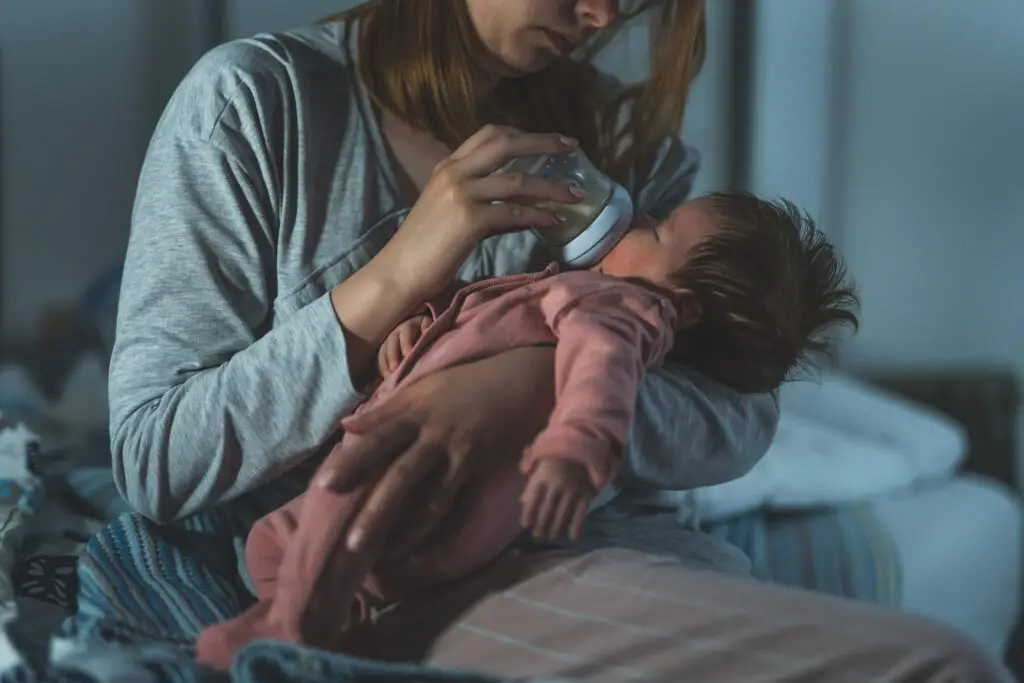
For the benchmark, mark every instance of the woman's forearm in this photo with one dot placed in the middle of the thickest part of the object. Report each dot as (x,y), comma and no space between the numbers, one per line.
(369,305)
(190,429)
(690,431)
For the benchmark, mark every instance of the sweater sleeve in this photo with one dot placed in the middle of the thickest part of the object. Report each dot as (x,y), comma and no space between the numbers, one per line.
(208,398)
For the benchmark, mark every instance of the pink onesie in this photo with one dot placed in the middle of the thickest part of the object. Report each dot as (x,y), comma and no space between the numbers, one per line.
(608,332)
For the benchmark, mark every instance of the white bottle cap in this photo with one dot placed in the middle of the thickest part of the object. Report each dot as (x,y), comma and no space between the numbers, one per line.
(603,233)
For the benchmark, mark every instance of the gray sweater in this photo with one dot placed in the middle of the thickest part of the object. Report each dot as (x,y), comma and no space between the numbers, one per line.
(266,184)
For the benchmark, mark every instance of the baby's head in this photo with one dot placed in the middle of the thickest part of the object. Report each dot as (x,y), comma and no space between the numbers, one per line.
(758,287)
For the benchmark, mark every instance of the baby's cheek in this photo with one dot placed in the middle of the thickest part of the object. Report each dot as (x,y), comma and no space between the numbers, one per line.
(624,259)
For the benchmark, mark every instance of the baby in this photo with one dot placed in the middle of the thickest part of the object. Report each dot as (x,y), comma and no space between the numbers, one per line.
(740,289)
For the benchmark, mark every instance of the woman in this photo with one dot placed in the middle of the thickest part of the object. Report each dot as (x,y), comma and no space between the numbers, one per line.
(269,258)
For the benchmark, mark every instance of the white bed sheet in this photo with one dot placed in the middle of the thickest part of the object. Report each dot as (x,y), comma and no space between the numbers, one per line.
(960,543)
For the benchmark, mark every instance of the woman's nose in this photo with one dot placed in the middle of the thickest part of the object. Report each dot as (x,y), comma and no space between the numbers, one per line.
(598,13)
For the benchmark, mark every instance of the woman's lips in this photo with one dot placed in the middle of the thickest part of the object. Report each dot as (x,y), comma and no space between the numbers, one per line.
(563,46)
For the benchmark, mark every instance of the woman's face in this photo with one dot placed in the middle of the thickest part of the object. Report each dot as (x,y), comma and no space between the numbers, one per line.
(527,35)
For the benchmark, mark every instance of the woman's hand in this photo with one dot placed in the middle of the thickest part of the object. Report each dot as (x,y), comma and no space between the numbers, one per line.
(437,434)
(457,208)
(455,211)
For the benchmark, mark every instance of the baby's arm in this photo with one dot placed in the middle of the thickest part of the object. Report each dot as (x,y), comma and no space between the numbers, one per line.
(607,339)
(555,500)
(400,342)
(403,338)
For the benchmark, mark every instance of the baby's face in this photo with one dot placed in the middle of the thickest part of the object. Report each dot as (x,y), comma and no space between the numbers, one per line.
(652,250)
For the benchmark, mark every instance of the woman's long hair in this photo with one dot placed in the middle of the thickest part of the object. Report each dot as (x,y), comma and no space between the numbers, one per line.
(422,60)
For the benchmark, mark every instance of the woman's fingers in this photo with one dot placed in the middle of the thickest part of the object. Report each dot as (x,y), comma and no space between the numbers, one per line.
(564,514)
(394,357)
(507,187)
(529,502)
(448,221)
(347,468)
(435,509)
(485,134)
(495,219)
(546,514)
(391,495)
(579,515)
(383,416)
(497,151)
(406,340)
(390,354)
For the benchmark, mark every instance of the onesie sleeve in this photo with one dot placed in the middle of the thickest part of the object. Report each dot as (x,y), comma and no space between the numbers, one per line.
(606,341)
(440,303)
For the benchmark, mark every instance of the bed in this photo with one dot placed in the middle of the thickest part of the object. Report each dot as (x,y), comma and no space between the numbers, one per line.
(960,541)
(959,553)
(948,548)
(951,545)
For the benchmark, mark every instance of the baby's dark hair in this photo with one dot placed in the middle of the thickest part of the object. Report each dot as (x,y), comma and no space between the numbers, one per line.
(772,291)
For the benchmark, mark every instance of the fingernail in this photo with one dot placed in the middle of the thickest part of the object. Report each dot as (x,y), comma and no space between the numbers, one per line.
(568,141)
(355,539)
(325,480)
(576,190)
(560,218)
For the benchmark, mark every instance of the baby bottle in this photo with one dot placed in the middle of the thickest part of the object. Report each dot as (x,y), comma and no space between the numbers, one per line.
(594,225)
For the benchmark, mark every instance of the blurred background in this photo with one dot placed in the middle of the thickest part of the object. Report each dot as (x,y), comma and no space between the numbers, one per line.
(896,124)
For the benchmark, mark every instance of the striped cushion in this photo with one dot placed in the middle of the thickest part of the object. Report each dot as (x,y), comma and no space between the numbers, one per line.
(843,551)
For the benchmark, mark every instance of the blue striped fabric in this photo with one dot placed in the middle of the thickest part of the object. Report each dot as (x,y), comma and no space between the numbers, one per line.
(843,551)
(260,662)
(154,587)
(149,585)
(142,582)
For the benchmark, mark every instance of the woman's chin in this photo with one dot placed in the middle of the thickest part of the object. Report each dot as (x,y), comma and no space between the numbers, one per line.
(526,61)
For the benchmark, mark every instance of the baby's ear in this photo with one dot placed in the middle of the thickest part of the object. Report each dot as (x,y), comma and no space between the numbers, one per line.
(688,308)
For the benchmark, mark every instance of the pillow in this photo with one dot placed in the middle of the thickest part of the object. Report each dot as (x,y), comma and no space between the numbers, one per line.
(934,443)
(840,441)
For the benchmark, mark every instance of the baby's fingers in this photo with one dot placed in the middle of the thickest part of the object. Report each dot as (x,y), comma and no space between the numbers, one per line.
(394,356)
(384,358)
(579,516)
(529,502)
(563,515)
(407,336)
(544,525)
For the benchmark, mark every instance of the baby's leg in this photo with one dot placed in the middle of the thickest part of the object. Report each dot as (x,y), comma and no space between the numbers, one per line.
(264,548)
(483,523)
(307,580)
(319,578)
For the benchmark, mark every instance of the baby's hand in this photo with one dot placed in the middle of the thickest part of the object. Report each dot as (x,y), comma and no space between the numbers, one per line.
(556,498)
(400,342)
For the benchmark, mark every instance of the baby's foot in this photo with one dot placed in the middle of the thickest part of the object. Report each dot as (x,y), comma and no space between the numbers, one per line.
(217,645)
